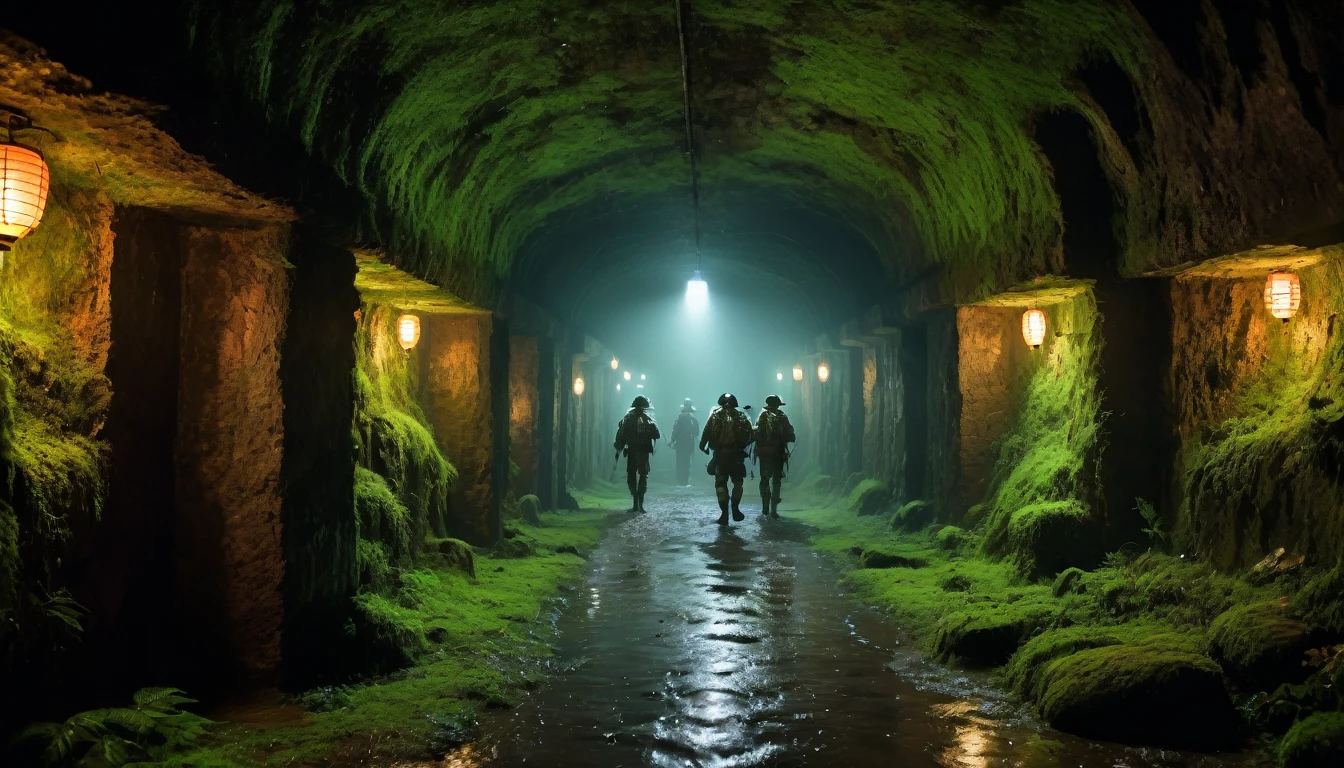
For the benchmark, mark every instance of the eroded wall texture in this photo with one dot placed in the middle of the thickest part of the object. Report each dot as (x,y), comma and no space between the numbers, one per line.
(524,412)
(459,407)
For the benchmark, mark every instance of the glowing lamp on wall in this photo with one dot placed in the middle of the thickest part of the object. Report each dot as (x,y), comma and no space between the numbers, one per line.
(408,331)
(24,183)
(797,373)
(1283,294)
(1033,328)
(578,385)
(615,363)
(823,373)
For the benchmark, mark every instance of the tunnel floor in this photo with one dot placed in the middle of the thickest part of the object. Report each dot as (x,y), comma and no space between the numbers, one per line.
(690,645)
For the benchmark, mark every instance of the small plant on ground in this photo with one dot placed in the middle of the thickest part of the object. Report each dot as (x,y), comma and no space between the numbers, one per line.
(117,736)
(1157,535)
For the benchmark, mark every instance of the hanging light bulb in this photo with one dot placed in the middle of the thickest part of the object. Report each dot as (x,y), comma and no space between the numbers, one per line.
(408,331)
(797,373)
(1033,327)
(24,183)
(642,377)
(627,375)
(578,385)
(615,363)
(779,376)
(697,293)
(1283,294)
(823,373)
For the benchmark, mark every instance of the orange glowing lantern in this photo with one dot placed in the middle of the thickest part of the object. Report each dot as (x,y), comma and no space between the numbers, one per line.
(1033,328)
(24,182)
(823,373)
(408,331)
(797,373)
(1283,294)
(578,385)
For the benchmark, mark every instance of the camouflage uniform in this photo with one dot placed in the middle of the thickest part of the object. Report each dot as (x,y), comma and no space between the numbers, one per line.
(684,432)
(773,435)
(728,433)
(635,435)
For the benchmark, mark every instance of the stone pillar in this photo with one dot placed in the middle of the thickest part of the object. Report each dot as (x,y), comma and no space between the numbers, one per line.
(524,412)
(942,398)
(459,406)
(227,457)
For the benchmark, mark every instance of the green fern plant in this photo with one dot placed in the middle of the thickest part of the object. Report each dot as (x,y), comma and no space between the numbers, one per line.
(118,736)
(1155,532)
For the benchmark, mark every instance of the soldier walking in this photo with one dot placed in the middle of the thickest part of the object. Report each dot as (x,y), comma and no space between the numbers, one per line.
(728,434)
(773,435)
(684,432)
(635,435)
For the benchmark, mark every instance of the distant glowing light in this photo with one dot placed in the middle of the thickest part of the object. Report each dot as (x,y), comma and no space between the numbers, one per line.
(779,376)
(697,293)
(639,386)
(823,373)
(627,375)
(642,377)
(797,373)
(1283,295)
(615,363)
(578,385)
(24,184)
(408,331)
(618,387)
(1033,327)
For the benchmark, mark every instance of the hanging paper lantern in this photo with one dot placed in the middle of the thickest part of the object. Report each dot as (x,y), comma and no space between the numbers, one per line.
(797,373)
(408,331)
(24,182)
(578,385)
(1283,294)
(1033,327)
(615,363)
(823,373)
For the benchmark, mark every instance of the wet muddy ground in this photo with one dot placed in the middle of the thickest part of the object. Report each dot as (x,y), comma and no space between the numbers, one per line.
(692,645)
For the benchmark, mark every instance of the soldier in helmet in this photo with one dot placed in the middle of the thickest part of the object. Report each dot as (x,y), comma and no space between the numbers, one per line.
(684,432)
(773,435)
(728,434)
(635,435)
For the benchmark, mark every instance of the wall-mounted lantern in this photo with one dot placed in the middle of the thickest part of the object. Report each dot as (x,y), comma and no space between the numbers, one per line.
(615,363)
(823,373)
(408,331)
(1033,328)
(1283,294)
(797,373)
(24,183)
(578,385)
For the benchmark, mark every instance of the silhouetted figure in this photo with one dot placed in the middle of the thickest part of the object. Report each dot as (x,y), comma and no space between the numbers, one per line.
(773,435)
(684,432)
(728,434)
(635,435)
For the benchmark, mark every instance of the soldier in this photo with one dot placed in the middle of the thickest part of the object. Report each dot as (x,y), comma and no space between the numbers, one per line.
(684,432)
(773,435)
(635,435)
(728,433)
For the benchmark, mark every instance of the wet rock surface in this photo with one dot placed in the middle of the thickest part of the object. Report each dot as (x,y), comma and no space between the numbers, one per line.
(692,645)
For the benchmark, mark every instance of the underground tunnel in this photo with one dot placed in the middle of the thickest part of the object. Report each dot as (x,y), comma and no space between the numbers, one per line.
(950,383)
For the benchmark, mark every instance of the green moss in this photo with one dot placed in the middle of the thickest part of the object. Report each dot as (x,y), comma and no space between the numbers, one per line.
(1023,674)
(1322,599)
(1047,468)
(914,515)
(382,517)
(951,538)
(988,634)
(1316,742)
(868,497)
(1260,646)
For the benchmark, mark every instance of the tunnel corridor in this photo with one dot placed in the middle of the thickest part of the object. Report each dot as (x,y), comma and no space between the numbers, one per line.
(318,319)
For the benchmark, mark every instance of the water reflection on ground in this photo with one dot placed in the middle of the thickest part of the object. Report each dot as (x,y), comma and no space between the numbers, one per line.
(691,645)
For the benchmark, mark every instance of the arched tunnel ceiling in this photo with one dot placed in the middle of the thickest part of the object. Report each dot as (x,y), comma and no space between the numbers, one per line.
(843,144)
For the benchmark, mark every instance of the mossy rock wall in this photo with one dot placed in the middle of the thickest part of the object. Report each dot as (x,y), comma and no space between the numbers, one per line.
(1260,413)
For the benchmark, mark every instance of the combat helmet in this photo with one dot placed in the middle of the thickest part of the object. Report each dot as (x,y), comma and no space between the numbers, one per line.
(773,400)
(640,401)
(728,399)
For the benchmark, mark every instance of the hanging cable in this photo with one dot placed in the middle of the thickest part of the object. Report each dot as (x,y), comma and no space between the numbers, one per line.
(690,140)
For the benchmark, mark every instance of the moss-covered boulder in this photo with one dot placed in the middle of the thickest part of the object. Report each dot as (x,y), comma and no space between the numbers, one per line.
(951,538)
(914,515)
(1050,536)
(511,549)
(877,558)
(453,554)
(987,635)
(869,497)
(1321,600)
(1316,742)
(529,509)
(1261,647)
(1068,581)
(1156,693)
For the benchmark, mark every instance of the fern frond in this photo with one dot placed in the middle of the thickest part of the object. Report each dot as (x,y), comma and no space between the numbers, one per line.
(164,700)
(132,720)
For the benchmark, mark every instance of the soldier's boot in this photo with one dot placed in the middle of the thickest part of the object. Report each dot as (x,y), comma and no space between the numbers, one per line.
(774,507)
(765,505)
(639,502)
(722,493)
(634,502)
(737,506)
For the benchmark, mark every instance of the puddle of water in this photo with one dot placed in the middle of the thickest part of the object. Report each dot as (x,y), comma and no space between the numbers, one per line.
(692,645)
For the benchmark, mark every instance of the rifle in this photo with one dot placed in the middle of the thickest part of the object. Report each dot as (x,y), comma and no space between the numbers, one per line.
(751,449)
(615,460)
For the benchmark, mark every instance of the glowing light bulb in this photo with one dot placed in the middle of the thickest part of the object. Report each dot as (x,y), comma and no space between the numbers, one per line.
(615,363)
(797,373)
(779,376)
(408,331)
(823,373)
(1033,327)
(642,377)
(578,385)
(697,293)
(618,387)
(627,375)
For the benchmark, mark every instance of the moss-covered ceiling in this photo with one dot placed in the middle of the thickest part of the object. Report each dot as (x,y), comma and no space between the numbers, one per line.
(546,134)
